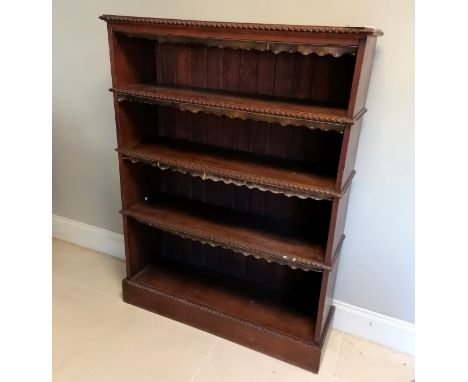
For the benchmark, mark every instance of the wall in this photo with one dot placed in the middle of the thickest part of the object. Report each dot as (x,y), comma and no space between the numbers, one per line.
(377,266)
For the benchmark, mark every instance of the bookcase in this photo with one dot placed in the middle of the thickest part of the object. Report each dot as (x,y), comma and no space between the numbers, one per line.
(236,146)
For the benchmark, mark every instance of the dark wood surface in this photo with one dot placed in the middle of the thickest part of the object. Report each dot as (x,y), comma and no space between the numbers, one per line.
(247,234)
(305,354)
(259,125)
(288,177)
(240,106)
(287,313)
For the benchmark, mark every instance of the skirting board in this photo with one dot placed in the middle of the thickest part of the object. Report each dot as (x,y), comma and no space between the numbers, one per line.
(373,326)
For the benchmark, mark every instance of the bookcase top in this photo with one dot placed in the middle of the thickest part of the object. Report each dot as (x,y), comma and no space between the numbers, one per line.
(364,31)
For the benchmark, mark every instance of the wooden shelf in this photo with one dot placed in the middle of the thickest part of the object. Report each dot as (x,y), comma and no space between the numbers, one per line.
(234,105)
(282,313)
(243,169)
(240,232)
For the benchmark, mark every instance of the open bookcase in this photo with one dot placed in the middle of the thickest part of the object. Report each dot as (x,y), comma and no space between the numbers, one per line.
(236,147)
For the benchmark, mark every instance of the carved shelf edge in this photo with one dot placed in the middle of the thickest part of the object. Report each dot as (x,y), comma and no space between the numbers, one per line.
(215,174)
(239,110)
(274,47)
(238,246)
(370,31)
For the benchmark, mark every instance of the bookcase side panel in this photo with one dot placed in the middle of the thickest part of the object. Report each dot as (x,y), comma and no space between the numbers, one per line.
(324,309)
(348,154)
(132,60)
(141,243)
(362,74)
(336,228)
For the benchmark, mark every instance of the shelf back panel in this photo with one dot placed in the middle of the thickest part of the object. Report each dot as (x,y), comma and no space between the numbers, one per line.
(318,79)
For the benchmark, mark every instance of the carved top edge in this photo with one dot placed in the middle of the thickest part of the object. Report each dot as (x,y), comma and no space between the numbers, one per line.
(365,31)
(220,104)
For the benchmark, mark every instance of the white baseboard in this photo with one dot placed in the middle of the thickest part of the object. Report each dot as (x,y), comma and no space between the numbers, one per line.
(88,236)
(388,331)
(373,326)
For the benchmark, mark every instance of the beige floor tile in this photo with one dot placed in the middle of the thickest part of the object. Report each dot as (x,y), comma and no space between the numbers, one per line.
(332,353)
(96,336)
(77,314)
(90,269)
(231,362)
(362,361)
(139,346)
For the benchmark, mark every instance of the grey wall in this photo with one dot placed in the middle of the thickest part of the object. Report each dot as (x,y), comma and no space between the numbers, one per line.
(377,266)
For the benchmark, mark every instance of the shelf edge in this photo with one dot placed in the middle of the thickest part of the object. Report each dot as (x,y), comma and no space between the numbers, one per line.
(234,245)
(233,110)
(239,179)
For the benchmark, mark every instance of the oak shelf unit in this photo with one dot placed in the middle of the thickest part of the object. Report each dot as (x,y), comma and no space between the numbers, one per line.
(236,147)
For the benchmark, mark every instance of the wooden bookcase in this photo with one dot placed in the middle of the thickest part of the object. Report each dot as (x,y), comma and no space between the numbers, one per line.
(236,147)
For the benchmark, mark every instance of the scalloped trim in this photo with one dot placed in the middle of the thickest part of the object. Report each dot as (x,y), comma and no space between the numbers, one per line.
(297,115)
(257,252)
(288,189)
(259,45)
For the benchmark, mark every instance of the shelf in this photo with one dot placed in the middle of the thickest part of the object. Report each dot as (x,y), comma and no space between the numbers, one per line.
(263,238)
(235,105)
(229,166)
(288,314)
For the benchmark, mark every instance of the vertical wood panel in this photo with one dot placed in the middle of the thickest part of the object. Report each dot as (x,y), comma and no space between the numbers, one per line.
(158,62)
(199,123)
(231,69)
(261,138)
(244,135)
(266,73)
(242,199)
(183,65)
(257,202)
(198,62)
(214,68)
(183,124)
(302,76)
(284,74)
(226,195)
(212,133)
(198,253)
(322,75)
(272,205)
(168,64)
(295,143)
(228,132)
(278,140)
(248,71)
(168,122)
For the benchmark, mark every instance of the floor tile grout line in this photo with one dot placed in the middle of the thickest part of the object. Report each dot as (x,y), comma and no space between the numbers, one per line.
(74,283)
(202,362)
(77,350)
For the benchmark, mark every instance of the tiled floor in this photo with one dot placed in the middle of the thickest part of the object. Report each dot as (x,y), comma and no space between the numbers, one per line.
(97,337)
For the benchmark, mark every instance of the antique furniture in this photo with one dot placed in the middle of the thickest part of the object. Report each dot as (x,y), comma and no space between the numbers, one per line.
(236,147)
